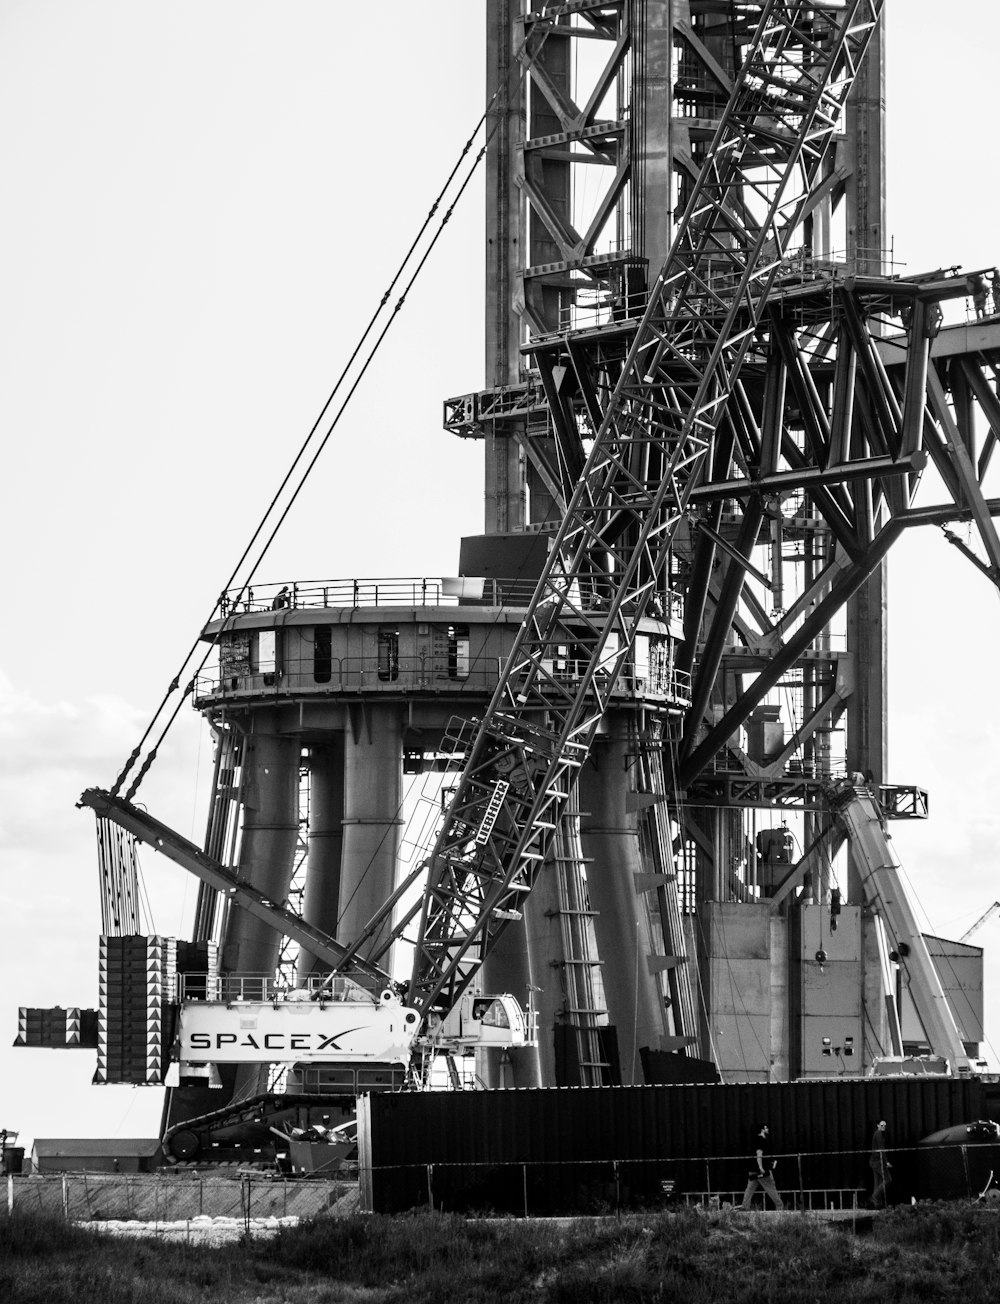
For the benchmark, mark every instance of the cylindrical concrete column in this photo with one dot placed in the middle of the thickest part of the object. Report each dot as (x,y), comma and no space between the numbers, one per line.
(267,849)
(321,897)
(624,939)
(506,970)
(373,798)
(546,968)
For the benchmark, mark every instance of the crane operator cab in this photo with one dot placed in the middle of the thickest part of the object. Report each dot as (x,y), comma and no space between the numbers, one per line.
(478,1022)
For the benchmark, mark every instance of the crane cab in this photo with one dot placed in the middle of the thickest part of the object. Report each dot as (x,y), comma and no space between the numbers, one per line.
(478,1022)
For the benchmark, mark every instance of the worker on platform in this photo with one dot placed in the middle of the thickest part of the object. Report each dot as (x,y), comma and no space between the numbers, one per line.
(283,598)
(995,286)
(761,1176)
(980,290)
(880,1166)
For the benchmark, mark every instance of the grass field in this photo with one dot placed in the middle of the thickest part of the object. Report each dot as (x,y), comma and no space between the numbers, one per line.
(927,1252)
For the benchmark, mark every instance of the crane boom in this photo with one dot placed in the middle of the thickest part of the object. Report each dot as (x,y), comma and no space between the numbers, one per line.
(608,560)
(879,868)
(987,914)
(161,838)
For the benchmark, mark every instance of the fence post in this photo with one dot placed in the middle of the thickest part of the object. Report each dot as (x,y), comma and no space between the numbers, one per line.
(430,1186)
(10,1193)
(524,1183)
(965,1165)
(802,1194)
(618,1190)
(65,1197)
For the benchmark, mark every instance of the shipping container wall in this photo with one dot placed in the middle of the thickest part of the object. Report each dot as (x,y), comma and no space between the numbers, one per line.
(569,1150)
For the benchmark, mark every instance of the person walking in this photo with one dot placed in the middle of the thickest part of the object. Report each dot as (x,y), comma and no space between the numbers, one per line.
(880,1166)
(761,1176)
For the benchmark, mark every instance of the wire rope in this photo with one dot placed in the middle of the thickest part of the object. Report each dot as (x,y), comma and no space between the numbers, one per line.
(293,498)
(501,90)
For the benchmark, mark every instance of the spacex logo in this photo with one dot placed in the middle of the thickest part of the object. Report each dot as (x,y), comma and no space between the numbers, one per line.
(315,1042)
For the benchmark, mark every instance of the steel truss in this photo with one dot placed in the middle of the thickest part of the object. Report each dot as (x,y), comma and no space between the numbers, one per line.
(838,423)
(654,433)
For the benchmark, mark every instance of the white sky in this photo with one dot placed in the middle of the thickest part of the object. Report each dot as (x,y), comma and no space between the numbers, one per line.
(204,201)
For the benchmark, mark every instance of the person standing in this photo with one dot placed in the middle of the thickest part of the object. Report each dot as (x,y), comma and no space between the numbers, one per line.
(761,1175)
(980,289)
(880,1166)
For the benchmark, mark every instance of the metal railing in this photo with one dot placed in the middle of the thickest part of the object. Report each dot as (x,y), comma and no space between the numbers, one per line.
(233,989)
(592,308)
(807,1181)
(397,591)
(297,676)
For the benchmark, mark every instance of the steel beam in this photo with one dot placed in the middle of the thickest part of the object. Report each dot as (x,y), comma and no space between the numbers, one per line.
(190,857)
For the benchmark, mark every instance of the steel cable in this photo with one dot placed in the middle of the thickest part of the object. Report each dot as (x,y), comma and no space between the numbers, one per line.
(501,91)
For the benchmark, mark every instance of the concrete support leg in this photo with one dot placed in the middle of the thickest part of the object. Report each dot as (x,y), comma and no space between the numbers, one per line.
(321,899)
(373,796)
(267,851)
(546,966)
(624,938)
(506,970)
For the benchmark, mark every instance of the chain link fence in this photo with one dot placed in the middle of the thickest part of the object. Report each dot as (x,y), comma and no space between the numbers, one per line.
(518,1188)
(842,1181)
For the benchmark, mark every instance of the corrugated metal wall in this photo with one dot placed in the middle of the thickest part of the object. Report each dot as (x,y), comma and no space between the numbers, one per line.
(574,1150)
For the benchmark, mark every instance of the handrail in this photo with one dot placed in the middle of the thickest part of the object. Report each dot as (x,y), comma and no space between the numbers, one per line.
(257,988)
(395,591)
(410,591)
(296,676)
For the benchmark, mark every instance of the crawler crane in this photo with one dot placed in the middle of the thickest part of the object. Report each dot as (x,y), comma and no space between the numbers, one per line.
(661,425)
(653,433)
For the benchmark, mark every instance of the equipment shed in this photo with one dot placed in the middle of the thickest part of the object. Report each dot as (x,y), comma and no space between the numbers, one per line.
(88,1155)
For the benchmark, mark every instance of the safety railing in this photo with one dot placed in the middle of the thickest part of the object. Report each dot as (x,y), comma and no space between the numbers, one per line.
(233,989)
(802,267)
(295,676)
(455,591)
(298,676)
(386,592)
(843,1181)
(592,308)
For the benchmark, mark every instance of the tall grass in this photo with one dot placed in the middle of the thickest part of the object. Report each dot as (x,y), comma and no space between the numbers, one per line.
(925,1253)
